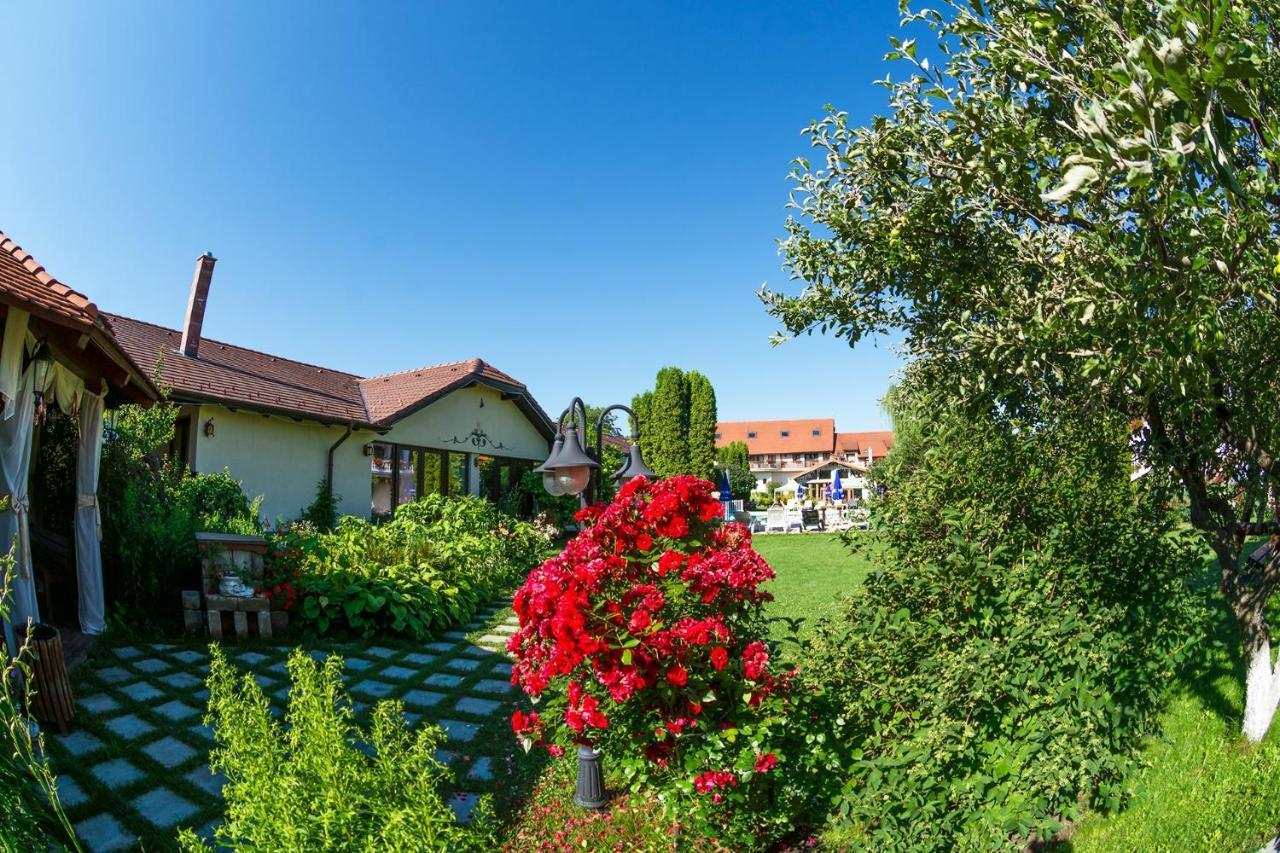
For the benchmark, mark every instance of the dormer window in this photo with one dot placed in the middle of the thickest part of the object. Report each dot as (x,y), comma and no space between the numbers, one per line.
(817,432)
(786,434)
(717,436)
(751,435)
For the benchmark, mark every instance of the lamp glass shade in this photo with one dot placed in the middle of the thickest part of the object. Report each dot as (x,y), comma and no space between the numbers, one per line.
(551,484)
(573,479)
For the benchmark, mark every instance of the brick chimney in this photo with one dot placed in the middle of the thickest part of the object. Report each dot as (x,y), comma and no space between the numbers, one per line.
(195,306)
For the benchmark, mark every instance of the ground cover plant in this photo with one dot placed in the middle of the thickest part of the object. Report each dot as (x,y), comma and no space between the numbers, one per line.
(320,781)
(428,569)
(997,671)
(651,622)
(815,572)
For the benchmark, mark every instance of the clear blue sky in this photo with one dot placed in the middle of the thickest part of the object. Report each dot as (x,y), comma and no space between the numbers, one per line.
(578,193)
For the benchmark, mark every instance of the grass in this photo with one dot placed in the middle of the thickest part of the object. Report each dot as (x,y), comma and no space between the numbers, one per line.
(1200,786)
(815,570)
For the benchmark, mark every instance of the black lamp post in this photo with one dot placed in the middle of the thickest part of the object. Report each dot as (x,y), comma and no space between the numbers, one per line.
(571,469)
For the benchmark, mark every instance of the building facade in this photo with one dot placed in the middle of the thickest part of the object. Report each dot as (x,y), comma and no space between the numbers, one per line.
(282,427)
(786,455)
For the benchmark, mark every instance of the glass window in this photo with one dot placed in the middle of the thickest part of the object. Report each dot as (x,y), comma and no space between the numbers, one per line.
(456,484)
(786,434)
(432,472)
(751,435)
(380,467)
(407,471)
(817,432)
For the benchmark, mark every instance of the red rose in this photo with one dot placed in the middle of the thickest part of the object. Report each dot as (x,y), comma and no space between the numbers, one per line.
(678,675)
(719,657)
(644,542)
(766,762)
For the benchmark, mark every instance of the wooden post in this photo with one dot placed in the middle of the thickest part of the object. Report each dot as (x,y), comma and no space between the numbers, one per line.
(52,703)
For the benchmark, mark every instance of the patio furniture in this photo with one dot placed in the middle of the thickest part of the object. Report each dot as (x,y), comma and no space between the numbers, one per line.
(226,553)
(776,520)
(794,520)
(810,519)
(837,520)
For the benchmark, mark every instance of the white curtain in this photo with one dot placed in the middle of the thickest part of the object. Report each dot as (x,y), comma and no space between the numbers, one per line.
(11,353)
(88,520)
(15,463)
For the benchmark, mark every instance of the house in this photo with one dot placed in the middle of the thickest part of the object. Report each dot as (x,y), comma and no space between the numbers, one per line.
(58,353)
(282,426)
(805,453)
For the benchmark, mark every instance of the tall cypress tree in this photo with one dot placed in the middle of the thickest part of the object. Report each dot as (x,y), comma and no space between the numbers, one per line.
(701,435)
(641,404)
(669,423)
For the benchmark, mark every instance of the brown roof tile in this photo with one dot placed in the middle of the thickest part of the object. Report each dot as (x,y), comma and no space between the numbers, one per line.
(232,375)
(766,437)
(880,442)
(28,284)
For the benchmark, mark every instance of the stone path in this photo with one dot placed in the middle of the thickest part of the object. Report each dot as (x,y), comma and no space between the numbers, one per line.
(135,769)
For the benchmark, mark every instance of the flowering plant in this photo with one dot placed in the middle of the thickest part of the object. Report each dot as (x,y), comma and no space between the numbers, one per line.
(652,621)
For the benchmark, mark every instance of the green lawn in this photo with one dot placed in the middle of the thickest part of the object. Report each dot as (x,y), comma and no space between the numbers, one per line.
(1200,787)
(814,571)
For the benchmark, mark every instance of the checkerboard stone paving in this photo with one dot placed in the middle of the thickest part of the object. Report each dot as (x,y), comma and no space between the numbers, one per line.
(136,767)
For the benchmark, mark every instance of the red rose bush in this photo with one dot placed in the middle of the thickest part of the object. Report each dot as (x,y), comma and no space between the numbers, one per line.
(650,625)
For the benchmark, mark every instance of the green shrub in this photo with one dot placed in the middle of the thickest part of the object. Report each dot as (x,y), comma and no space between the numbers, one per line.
(429,568)
(306,784)
(997,672)
(323,510)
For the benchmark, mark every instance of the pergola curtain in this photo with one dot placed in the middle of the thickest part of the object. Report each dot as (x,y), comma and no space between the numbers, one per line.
(15,464)
(88,520)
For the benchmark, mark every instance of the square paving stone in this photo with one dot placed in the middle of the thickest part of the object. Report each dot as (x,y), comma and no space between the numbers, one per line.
(128,652)
(490,685)
(162,647)
(206,780)
(412,718)
(130,726)
(479,707)
(169,751)
(456,635)
(103,834)
(188,656)
(99,703)
(458,730)
(141,691)
(478,651)
(423,698)
(419,658)
(176,710)
(399,673)
(380,652)
(442,648)
(70,794)
(164,808)
(481,770)
(181,680)
(280,666)
(506,628)
(151,666)
(202,731)
(114,674)
(463,805)
(377,689)
(283,693)
(463,664)
(494,640)
(445,756)
(503,668)
(358,664)
(252,658)
(318,655)
(79,743)
(116,773)
(443,679)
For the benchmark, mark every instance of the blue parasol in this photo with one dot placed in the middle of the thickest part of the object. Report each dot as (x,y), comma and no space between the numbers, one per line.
(837,490)
(799,491)
(726,494)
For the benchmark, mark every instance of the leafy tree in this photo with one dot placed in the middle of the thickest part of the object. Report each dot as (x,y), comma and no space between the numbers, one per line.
(667,429)
(734,453)
(702,425)
(641,404)
(1077,199)
(741,481)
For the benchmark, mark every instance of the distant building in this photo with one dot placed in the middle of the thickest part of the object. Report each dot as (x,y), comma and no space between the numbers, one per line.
(806,453)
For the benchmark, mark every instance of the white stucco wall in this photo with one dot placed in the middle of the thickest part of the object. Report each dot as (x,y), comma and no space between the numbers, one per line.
(283,459)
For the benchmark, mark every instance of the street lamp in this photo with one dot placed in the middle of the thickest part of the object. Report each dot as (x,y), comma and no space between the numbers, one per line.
(571,469)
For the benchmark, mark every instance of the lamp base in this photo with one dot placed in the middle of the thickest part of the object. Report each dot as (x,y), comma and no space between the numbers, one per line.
(590,792)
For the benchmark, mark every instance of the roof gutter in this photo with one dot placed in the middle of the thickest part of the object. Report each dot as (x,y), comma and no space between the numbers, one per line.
(328,471)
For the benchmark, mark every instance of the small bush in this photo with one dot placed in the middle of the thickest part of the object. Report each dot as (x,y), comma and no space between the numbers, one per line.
(307,785)
(429,568)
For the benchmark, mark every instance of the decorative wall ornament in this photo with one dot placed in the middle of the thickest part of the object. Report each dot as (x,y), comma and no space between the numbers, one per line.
(477,438)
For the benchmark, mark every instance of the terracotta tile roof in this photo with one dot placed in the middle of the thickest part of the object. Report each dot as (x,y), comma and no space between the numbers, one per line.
(24,282)
(387,397)
(238,376)
(880,443)
(766,437)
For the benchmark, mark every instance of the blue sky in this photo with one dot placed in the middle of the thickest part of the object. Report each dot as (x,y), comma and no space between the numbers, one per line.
(578,193)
